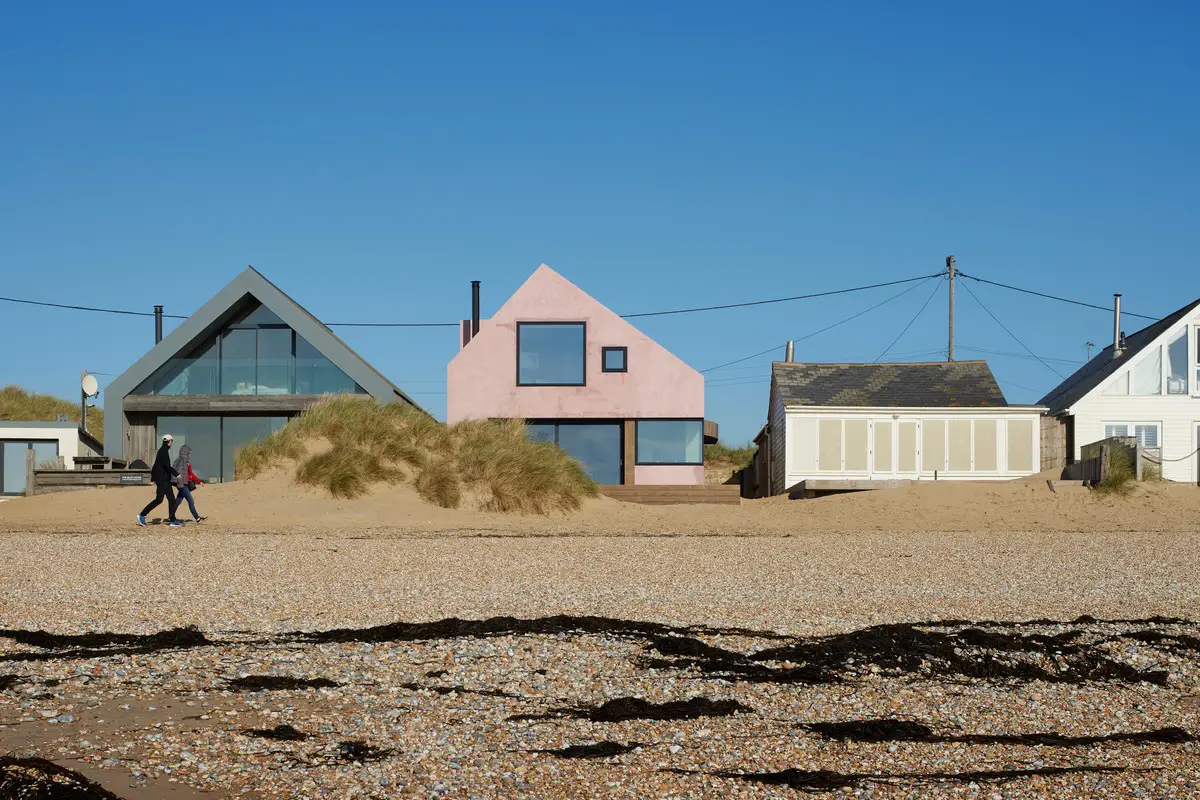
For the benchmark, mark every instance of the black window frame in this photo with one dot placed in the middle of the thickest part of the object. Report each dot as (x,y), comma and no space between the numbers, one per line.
(560,422)
(583,355)
(637,450)
(624,351)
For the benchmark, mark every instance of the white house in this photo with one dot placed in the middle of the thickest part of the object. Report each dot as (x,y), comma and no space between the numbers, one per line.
(1146,385)
(48,441)
(874,422)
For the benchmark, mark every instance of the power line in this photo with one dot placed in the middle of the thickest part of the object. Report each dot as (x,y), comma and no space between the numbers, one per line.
(88,308)
(826,328)
(1010,333)
(1074,362)
(1051,296)
(831,293)
(779,299)
(909,325)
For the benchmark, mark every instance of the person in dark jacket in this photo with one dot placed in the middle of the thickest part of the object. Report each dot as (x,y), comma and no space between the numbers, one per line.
(161,473)
(186,481)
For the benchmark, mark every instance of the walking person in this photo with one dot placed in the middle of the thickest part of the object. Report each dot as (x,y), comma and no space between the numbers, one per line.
(187,481)
(161,473)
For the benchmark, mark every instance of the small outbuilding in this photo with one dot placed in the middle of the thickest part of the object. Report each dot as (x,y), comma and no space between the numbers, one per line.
(861,426)
(52,444)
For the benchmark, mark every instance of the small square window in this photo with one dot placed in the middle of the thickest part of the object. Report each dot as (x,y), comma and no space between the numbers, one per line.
(615,359)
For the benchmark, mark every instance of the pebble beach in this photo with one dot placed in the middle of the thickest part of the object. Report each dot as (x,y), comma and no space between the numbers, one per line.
(877,665)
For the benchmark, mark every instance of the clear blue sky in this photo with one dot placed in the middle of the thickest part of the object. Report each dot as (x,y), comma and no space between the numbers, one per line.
(373,158)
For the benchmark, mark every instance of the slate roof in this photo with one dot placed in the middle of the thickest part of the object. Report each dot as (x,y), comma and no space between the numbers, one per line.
(942,384)
(1093,373)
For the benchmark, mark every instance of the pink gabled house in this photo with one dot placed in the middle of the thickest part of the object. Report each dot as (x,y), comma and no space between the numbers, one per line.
(582,377)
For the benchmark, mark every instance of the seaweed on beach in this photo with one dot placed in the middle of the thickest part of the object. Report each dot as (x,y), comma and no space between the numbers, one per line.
(901,730)
(39,779)
(101,645)
(278,683)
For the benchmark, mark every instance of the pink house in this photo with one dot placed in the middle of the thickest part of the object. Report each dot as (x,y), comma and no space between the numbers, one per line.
(584,378)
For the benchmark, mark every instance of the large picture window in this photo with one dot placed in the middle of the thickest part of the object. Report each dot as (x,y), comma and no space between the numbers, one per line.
(256,354)
(670,441)
(597,446)
(551,353)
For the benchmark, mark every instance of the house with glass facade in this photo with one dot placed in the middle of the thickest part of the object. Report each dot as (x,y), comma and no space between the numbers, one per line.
(582,377)
(236,370)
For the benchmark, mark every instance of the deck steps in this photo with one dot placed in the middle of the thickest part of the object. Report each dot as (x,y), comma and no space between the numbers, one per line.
(710,494)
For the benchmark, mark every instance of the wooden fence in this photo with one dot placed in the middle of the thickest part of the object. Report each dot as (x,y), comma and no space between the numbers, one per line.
(1097,459)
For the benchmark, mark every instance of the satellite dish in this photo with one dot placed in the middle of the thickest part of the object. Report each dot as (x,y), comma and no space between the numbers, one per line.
(90,387)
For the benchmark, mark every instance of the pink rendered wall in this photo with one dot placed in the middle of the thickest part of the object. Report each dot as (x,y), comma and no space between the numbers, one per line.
(668,476)
(481,379)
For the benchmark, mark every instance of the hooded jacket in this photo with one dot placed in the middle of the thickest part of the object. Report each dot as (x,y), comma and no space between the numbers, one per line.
(181,463)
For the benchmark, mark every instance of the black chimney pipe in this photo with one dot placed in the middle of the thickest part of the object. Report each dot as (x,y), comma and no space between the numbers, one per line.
(157,324)
(474,308)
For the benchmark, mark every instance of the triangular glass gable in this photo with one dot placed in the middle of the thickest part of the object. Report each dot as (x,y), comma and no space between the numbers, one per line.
(255,353)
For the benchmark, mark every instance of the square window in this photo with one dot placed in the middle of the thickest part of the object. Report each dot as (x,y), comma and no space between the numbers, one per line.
(670,441)
(551,353)
(615,359)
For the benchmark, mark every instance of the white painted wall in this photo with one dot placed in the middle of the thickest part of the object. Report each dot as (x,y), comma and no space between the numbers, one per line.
(67,438)
(1177,415)
(888,428)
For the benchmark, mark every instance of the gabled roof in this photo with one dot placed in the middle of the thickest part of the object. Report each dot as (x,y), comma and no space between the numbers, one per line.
(1094,372)
(216,312)
(942,384)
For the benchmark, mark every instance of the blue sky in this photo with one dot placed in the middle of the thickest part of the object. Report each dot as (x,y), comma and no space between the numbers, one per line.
(373,158)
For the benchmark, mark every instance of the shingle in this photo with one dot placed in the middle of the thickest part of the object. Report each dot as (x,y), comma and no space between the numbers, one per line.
(949,384)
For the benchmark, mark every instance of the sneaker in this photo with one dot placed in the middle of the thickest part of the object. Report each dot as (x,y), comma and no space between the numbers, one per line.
(175,523)
(142,520)
(201,519)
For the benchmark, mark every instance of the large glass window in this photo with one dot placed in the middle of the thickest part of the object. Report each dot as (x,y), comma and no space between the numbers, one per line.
(275,362)
(670,441)
(551,353)
(203,435)
(238,348)
(316,374)
(255,355)
(237,431)
(215,440)
(1146,378)
(1177,364)
(597,446)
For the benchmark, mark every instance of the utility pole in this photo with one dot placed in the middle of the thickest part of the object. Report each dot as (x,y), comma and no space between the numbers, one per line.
(950,272)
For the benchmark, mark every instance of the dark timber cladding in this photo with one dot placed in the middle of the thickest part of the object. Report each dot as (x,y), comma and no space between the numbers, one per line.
(132,413)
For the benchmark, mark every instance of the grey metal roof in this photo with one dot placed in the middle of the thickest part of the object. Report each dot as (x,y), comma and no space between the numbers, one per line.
(942,384)
(210,316)
(1093,373)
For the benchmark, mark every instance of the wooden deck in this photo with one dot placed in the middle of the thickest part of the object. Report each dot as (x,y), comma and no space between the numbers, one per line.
(813,488)
(675,495)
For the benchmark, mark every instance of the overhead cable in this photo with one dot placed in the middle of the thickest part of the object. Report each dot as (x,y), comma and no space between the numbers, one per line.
(961,274)
(1010,333)
(780,299)
(920,311)
(827,327)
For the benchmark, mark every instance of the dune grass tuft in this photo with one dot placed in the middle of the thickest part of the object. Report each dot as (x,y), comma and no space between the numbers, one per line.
(370,444)
(18,404)
(1121,478)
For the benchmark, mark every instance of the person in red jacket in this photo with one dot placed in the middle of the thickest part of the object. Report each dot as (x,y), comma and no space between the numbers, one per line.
(187,480)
